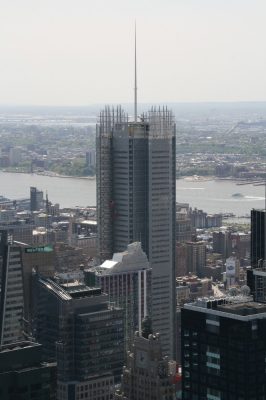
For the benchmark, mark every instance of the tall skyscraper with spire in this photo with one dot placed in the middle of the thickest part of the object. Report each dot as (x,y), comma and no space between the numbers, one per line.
(136,199)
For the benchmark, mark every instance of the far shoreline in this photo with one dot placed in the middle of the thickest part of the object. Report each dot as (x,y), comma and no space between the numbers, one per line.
(50,175)
(188,178)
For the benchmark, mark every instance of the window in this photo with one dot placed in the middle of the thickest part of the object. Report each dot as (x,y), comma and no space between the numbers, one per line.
(213,394)
(213,359)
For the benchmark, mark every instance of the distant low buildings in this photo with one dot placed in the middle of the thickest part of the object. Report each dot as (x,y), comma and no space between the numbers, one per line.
(191,219)
(191,287)
(228,243)
(214,271)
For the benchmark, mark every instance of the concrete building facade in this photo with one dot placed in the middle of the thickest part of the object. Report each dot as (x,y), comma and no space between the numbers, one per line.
(127,281)
(147,374)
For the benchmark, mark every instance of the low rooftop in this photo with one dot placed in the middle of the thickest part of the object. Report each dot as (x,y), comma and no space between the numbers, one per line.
(71,290)
(249,308)
(18,346)
(240,307)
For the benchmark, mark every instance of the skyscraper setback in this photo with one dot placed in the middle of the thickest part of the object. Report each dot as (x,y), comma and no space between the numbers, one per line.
(136,200)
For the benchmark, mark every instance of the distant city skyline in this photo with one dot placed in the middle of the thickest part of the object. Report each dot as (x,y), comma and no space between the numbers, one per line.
(76,53)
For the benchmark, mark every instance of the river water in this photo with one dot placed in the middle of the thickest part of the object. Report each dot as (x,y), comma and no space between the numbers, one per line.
(212,196)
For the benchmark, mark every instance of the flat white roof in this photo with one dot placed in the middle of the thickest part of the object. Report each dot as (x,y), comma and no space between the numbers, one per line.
(108,264)
(89,222)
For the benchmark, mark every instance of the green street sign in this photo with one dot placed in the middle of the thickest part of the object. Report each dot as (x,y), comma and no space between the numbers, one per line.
(39,249)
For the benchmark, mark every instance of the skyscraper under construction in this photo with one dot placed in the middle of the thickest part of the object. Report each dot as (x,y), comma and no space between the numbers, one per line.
(136,200)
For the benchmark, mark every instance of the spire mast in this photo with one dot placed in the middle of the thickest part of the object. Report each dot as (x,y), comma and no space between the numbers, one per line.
(135,88)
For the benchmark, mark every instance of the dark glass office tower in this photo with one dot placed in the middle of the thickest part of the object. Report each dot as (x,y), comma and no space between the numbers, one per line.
(136,201)
(256,276)
(258,236)
(78,329)
(23,374)
(36,199)
(223,349)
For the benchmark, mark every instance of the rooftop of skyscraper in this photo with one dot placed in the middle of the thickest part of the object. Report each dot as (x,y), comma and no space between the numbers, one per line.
(72,290)
(240,307)
(132,259)
(24,355)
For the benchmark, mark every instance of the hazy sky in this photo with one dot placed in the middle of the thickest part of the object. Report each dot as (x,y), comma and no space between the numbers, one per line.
(66,52)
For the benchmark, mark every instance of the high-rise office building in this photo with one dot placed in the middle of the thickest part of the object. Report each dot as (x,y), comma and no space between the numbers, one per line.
(36,199)
(196,257)
(79,330)
(40,259)
(90,158)
(136,201)
(222,243)
(147,374)
(223,349)
(127,281)
(15,156)
(11,297)
(23,374)
(258,236)
(184,230)
(257,281)
(256,276)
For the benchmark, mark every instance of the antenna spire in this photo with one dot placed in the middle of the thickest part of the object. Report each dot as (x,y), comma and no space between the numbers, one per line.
(135,88)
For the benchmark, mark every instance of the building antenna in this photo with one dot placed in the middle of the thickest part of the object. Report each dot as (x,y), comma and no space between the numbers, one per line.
(135,88)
